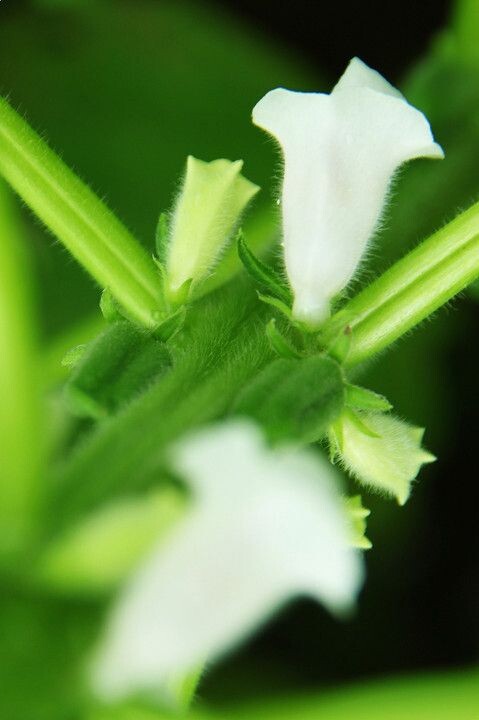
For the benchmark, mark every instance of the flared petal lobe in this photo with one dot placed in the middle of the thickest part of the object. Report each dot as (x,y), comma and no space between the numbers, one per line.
(340,153)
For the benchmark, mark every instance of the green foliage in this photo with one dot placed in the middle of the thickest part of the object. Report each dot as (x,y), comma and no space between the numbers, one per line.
(294,400)
(266,277)
(119,365)
(94,557)
(222,346)
(279,343)
(21,436)
(364,399)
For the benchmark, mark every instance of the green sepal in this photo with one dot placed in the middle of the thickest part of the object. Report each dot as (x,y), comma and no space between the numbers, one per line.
(363,399)
(161,238)
(341,345)
(180,296)
(169,327)
(357,515)
(117,366)
(294,400)
(362,425)
(264,275)
(73,356)
(109,307)
(277,304)
(279,343)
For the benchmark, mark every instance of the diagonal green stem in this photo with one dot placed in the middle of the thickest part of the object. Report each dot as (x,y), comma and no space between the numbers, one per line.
(413,288)
(78,218)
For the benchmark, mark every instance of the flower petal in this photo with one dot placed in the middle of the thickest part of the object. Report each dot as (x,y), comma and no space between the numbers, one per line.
(340,152)
(264,526)
(359,75)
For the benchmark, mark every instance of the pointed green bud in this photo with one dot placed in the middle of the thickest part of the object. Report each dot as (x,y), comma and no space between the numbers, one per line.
(213,196)
(357,515)
(380,450)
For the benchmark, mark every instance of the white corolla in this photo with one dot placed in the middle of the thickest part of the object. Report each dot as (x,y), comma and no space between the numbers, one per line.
(263,526)
(340,153)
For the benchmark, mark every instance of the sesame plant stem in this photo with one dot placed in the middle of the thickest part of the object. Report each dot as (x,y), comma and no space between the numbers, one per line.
(78,218)
(413,288)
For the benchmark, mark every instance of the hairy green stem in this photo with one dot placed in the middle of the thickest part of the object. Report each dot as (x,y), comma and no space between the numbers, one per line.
(20,408)
(78,218)
(413,288)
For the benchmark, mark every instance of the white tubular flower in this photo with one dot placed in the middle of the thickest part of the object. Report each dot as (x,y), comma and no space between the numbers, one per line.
(263,527)
(212,198)
(340,152)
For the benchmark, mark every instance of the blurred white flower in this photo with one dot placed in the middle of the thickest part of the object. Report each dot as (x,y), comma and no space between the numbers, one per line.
(263,526)
(340,152)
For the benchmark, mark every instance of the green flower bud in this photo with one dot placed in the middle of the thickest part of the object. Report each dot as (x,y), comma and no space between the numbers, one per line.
(380,450)
(213,196)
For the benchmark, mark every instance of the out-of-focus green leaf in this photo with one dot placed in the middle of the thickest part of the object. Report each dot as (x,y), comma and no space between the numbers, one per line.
(21,429)
(95,556)
(118,365)
(294,400)
(453,696)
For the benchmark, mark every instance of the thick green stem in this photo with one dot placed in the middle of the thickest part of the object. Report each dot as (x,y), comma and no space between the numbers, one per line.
(78,218)
(413,288)
(20,412)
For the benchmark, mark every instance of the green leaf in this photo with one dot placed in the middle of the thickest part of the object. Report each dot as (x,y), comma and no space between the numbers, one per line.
(452,695)
(294,399)
(262,274)
(120,364)
(222,347)
(279,343)
(277,304)
(109,307)
(96,555)
(169,327)
(21,422)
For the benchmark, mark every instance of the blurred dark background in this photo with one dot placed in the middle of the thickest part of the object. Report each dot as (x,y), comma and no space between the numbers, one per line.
(387,35)
(126,90)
